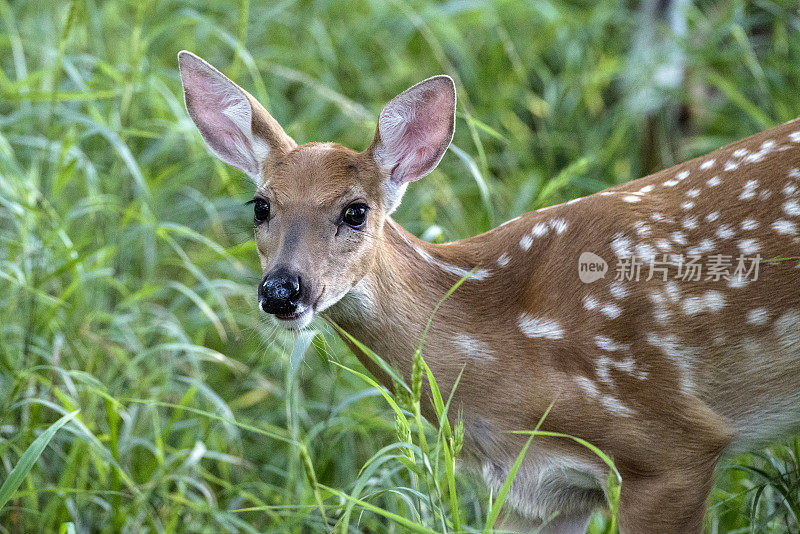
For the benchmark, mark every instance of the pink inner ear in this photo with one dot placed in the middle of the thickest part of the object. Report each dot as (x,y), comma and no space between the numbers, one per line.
(221,112)
(416,128)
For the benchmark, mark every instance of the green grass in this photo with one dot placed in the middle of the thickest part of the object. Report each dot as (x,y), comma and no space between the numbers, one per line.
(128,270)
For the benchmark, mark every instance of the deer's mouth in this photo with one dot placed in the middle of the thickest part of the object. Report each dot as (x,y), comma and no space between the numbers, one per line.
(296,320)
(289,316)
(301,316)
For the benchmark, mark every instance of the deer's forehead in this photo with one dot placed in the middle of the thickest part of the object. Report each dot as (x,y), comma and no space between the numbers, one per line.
(321,173)
(318,196)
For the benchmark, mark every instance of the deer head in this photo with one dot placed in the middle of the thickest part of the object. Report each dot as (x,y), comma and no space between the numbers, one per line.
(319,208)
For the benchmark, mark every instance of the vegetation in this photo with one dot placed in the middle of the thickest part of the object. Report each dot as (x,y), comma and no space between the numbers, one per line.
(128,270)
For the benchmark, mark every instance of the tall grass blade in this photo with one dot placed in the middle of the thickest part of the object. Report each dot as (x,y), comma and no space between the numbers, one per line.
(29,458)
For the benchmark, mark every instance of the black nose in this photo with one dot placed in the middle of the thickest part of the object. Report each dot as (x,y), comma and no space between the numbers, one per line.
(280,292)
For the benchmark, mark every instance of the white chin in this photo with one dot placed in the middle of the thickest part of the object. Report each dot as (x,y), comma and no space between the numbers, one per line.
(296,323)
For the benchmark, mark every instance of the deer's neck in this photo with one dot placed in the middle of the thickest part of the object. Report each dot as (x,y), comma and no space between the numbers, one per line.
(388,309)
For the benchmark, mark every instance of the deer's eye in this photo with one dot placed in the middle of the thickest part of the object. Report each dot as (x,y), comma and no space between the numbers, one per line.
(355,214)
(260,210)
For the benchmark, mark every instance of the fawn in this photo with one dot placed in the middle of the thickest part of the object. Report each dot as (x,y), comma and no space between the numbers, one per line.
(663,366)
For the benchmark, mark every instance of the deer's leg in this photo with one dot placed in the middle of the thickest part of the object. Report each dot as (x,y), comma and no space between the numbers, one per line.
(670,502)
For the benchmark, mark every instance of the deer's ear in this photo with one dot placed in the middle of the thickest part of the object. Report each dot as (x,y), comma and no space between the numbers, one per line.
(233,124)
(414,130)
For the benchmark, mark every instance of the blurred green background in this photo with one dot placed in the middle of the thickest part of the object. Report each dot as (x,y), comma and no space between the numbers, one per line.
(128,270)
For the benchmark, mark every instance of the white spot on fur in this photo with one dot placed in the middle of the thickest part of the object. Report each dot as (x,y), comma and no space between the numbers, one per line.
(621,245)
(608,344)
(693,193)
(539,229)
(790,190)
(714,181)
(757,316)
(791,207)
(682,175)
(618,290)
(710,301)
(612,311)
(558,225)
(687,205)
(473,348)
(673,291)
(538,327)
(645,252)
(706,245)
(707,164)
(740,153)
(749,190)
(657,216)
(663,245)
(678,237)
(690,222)
(602,368)
(749,224)
(628,365)
(503,260)
(646,189)
(526,242)
(766,147)
(737,282)
(682,356)
(642,229)
(615,406)
(782,226)
(590,303)
(714,300)
(756,156)
(671,183)
(587,385)
(725,231)
(713,216)
(795,137)
(749,246)
(787,330)
(660,311)
(692,305)
(731,165)
(631,198)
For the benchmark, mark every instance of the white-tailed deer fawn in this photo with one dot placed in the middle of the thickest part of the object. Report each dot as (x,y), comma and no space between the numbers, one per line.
(644,312)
